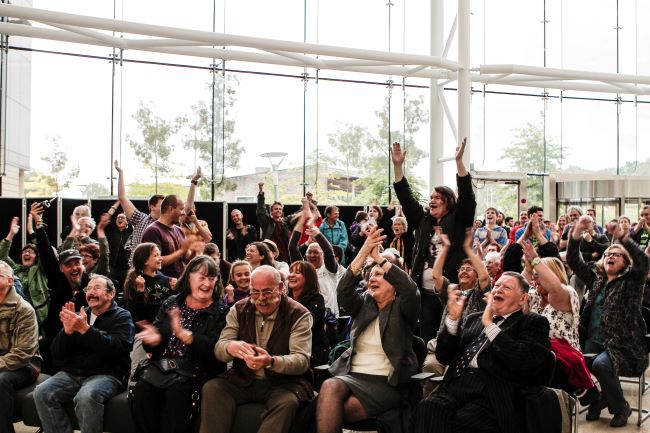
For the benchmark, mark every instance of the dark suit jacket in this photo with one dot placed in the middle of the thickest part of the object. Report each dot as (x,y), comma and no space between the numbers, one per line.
(516,358)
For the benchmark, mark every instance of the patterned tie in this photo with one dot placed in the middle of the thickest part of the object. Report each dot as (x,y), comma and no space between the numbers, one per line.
(472,350)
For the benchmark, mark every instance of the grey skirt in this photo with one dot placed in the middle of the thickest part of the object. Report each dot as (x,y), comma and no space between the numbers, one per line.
(374,393)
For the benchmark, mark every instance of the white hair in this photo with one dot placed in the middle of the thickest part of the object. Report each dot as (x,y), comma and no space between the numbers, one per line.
(493,257)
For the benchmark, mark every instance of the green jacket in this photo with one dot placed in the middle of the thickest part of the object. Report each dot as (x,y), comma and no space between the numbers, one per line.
(33,279)
(18,333)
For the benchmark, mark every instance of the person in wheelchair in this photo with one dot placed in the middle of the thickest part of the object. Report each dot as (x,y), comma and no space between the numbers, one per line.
(612,316)
(371,377)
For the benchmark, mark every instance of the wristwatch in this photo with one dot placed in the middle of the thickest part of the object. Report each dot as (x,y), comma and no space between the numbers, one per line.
(536,261)
(271,364)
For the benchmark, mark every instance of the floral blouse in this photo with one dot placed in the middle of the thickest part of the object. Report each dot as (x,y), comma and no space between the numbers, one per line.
(564,324)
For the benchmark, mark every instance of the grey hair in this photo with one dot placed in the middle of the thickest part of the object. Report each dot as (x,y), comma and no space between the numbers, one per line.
(577,208)
(110,286)
(8,269)
(277,278)
(493,257)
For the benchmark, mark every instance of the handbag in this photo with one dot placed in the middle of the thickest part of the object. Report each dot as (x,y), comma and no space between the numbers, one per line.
(165,372)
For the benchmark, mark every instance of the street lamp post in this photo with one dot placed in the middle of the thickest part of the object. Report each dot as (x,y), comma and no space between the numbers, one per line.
(275,159)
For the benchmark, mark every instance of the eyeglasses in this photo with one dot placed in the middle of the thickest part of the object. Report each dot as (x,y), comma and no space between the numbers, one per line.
(265,292)
(90,289)
(615,255)
(466,269)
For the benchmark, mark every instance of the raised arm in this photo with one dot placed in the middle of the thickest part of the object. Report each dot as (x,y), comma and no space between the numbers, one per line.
(439,264)
(294,251)
(263,215)
(5,245)
(127,205)
(46,255)
(460,165)
(477,263)
(191,193)
(573,257)
(466,204)
(104,252)
(558,295)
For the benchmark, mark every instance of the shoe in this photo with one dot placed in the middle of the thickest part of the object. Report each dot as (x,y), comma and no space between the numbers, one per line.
(590,396)
(620,419)
(593,414)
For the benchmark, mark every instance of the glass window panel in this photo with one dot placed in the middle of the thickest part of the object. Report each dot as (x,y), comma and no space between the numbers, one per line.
(76,113)
(589,135)
(633,154)
(642,31)
(589,39)
(194,15)
(167,111)
(338,24)
(514,32)
(266,19)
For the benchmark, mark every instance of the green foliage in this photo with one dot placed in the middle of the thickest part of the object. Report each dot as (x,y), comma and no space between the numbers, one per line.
(367,155)
(146,190)
(60,175)
(154,150)
(201,135)
(95,190)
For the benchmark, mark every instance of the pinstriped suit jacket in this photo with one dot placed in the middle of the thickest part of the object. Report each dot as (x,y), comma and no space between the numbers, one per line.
(516,358)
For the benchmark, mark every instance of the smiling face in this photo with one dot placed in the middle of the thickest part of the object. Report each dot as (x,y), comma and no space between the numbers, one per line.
(201,287)
(28,257)
(154,262)
(625,224)
(98,296)
(561,222)
(276,211)
(315,255)
(380,289)
(265,290)
(491,215)
(253,255)
(523,216)
(73,269)
(85,226)
(121,222)
(296,280)
(614,260)
(437,205)
(574,215)
(236,217)
(373,214)
(398,228)
(507,296)
(88,260)
(241,276)
(467,276)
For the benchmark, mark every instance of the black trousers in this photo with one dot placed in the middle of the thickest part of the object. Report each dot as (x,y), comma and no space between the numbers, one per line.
(430,315)
(460,406)
(10,381)
(162,410)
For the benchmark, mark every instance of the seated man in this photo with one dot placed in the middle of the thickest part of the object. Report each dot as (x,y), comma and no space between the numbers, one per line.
(268,338)
(92,351)
(489,355)
(19,359)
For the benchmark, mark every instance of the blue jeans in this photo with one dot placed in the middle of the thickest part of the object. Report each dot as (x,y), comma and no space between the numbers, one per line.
(10,381)
(610,385)
(88,393)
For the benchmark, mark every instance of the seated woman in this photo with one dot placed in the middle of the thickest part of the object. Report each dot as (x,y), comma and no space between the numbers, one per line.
(258,253)
(145,287)
(551,296)
(473,281)
(239,282)
(281,266)
(29,270)
(371,377)
(184,334)
(612,316)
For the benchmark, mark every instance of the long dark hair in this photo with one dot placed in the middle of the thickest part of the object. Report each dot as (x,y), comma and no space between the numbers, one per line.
(140,257)
(206,266)
(311,278)
(265,252)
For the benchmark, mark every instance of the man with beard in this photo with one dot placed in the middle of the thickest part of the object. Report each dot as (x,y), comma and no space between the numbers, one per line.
(66,276)
(169,236)
(446,212)
(92,351)
(268,339)
(239,236)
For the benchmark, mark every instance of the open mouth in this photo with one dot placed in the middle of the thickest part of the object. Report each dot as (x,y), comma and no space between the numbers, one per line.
(497,298)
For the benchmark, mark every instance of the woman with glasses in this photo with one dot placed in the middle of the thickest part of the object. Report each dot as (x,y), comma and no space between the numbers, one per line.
(612,316)
(181,341)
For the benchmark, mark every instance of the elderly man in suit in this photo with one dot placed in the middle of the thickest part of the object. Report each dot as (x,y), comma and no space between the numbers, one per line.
(490,355)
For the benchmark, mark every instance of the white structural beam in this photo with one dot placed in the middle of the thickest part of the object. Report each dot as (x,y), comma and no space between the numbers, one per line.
(436,119)
(464,82)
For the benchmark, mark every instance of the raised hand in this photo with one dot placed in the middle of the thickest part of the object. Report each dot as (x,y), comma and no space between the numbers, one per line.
(13,228)
(198,175)
(397,155)
(261,186)
(460,150)
(455,302)
(116,164)
(139,284)
(529,250)
(149,335)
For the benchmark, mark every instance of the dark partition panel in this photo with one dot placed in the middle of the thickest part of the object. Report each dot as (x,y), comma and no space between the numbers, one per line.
(212,213)
(9,208)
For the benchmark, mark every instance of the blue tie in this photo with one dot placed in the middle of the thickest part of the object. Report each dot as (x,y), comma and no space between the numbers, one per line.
(472,350)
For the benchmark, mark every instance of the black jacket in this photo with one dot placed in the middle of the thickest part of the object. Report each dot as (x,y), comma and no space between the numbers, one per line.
(60,290)
(158,289)
(453,225)
(516,358)
(104,349)
(206,328)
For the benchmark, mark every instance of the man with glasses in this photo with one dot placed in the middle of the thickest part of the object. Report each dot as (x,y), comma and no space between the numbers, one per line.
(268,339)
(641,232)
(574,213)
(19,359)
(92,351)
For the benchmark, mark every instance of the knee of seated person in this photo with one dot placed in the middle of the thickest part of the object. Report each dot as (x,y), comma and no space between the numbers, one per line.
(287,400)
(43,392)
(331,386)
(212,387)
(87,394)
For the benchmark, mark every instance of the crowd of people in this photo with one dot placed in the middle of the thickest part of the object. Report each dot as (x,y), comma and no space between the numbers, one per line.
(145,301)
